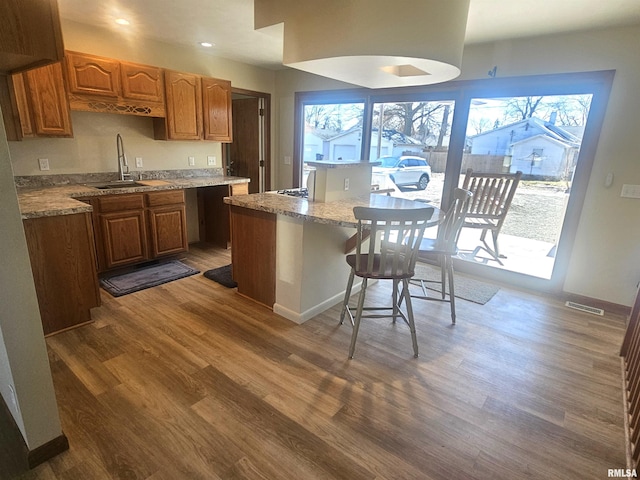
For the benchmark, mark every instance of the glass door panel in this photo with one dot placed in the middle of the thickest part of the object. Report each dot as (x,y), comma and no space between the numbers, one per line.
(332,131)
(540,136)
(411,140)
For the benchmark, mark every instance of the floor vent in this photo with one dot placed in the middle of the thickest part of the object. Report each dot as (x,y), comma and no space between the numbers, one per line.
(585,308)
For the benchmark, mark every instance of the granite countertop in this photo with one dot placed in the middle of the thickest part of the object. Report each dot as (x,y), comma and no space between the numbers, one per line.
(338,213)
(54,200)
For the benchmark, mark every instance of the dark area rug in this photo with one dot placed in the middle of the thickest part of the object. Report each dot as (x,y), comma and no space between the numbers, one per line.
(221,275)
(146,277)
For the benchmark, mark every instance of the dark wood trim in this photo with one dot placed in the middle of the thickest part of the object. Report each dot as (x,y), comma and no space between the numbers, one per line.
(47,451)
(267,132)
(15,456)
(13,449)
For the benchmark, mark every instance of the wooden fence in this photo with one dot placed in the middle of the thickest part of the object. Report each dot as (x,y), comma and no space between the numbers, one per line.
(479,163)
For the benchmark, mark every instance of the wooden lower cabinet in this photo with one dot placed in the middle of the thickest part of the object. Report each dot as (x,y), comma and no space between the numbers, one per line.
(124,238)
(136,227)
(63,262)
(168,230)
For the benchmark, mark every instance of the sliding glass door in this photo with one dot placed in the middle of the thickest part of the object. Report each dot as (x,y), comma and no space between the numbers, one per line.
(541,137)
(546,127)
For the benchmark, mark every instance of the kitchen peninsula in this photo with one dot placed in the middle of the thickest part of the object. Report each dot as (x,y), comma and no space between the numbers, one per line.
(288,253)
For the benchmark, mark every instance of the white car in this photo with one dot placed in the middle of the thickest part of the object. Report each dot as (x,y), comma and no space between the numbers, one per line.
(405,170)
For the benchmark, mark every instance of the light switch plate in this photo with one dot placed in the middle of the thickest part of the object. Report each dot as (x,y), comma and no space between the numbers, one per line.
(138,162)
(192,161)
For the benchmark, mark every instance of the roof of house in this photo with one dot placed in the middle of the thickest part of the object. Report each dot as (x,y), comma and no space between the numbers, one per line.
(544,127)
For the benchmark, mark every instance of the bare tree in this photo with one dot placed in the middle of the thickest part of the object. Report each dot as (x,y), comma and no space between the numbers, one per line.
(482,124)
(419,120)
(333,116)
(521,108)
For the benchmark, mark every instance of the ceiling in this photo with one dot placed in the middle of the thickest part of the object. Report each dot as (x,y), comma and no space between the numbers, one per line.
(229,23)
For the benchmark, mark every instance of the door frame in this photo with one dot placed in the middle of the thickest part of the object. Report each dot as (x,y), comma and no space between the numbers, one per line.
(597,83)
(265,135)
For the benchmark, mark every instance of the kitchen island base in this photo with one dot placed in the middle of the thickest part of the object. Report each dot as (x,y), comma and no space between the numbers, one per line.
(295,267)
(311,271)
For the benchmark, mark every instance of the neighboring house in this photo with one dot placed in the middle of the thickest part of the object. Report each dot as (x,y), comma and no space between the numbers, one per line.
(347,145)
(543,156)
(535,147)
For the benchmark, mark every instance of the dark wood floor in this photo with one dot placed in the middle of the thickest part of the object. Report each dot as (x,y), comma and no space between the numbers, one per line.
(191,381)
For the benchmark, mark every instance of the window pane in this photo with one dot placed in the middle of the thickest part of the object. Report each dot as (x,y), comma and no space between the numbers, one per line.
(332,131)
(541,137)
(416,129)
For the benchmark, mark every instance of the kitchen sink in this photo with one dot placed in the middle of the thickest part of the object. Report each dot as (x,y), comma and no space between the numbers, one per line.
(115,184)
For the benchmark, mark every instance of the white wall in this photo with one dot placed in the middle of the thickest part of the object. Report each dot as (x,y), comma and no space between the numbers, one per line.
(605,262)
(24,365)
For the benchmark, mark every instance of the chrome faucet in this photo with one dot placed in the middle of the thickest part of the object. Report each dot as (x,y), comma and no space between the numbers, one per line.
(123,166)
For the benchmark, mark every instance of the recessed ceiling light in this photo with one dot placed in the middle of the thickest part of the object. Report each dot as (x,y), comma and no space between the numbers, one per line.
(206,44)
(122,21)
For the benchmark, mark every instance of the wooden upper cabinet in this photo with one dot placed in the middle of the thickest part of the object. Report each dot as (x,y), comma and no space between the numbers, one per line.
(42,102)
(88,74)
(142,82)
(216,102)
(120,87)
(25,121)
(30,34)
(196,108)
(183,108)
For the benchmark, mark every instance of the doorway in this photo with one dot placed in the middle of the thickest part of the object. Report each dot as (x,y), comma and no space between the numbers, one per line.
(249,154)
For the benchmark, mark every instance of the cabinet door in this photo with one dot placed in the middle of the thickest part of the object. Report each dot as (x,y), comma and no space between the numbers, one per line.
(216,102)
(124,238)
(167,230)
(142,82)
(23,106)
(184,106)
(91,75)
(49,103)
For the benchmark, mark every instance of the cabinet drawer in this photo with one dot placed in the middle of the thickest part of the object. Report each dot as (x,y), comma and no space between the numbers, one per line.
(115,203)
(168,197)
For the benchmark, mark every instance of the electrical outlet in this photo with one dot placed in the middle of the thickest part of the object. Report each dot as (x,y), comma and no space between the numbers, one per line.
(287,160)
(346,184)
(211,160)
(192,161)
(138,162)
(630,191)
(44,163)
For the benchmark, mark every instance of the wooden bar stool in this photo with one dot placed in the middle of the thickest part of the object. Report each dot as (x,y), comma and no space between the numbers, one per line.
(387,242)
